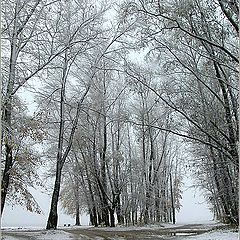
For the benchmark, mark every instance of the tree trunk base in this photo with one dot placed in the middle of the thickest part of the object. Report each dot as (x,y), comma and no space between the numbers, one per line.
(52,221)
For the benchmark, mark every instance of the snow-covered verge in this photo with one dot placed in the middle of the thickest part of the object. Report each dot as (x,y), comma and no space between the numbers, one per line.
(216,235)
(63,235)
(39,235)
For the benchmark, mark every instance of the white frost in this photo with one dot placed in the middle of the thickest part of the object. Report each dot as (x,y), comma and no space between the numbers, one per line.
(216,235)
(42,235)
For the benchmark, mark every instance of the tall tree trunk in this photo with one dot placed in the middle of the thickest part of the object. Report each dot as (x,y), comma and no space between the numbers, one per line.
(61,156)
(119,210)
(53,215)
(103,181)
(92,204)
(157,205)
(77,218)
(112,217)
(77,204)
(172,200)
(7,116)
(228,117)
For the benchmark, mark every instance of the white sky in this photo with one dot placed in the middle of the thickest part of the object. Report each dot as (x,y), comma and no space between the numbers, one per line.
(194,207)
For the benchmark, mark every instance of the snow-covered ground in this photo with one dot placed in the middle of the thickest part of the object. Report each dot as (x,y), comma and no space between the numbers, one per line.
(39,235)
(216,235)
(63,235)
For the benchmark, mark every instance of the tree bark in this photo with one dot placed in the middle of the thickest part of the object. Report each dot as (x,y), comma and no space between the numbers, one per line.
(172,200)
(53,215)
(228,117)
(112,217)
(7,117)
(77,220)
(61,156)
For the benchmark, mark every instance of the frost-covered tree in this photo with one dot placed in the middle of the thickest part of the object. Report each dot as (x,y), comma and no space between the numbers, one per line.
(24,55)
(193,45)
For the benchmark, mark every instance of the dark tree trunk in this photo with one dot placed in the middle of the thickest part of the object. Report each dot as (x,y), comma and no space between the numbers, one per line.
(105,216)
(77,214)
(6,175)
(146,211)
(92,208)
(112,218)
(91,217)
(172,200)
(118,210)
(94,216)
(61,156)
(133,217)
(7,116)
(103,181)
(228,117)
(157,205)
(53,216)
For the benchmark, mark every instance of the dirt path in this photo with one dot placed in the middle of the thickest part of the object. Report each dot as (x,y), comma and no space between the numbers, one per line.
(91,233)
(174,233)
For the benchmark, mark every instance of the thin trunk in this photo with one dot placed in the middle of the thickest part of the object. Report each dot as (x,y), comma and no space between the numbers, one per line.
(53,216)
(172,200)
(218,185)
(103,181)
(157,204)
(61,157)
(112,218)
(77,223)
(77,204)
(91,204)
(119,210)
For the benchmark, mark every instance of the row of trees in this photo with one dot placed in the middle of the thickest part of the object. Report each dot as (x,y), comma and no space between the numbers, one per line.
(119,162)
(111,126)
(195,44)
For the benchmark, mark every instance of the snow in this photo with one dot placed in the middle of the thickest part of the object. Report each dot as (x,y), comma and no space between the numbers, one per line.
(216,235)
(41,235)
(8,238)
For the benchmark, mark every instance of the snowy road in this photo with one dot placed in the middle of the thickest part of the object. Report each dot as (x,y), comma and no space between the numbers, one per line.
(184,232)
